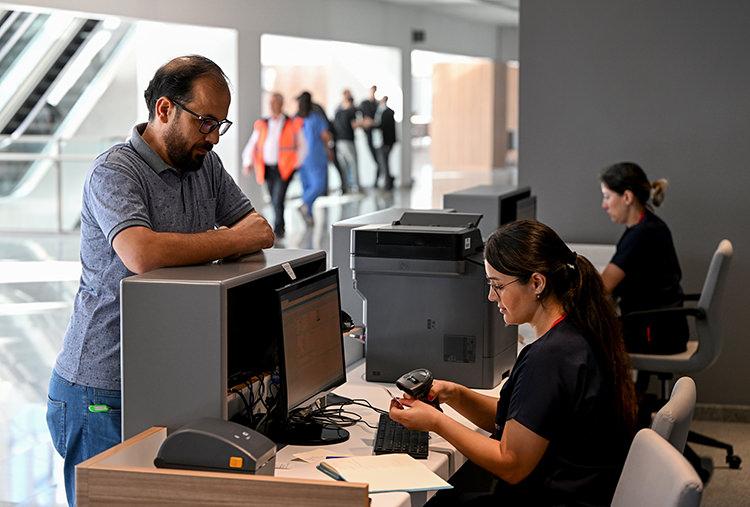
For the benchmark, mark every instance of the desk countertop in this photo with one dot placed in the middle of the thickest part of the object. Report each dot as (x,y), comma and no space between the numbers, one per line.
(444,459)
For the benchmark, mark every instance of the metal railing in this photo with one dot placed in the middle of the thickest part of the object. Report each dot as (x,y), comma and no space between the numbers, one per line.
(59,165)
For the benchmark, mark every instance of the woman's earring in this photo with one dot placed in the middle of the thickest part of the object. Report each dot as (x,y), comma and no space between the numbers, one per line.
(538,296)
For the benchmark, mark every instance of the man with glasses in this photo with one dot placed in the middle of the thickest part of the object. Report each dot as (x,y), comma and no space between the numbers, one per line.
(160,199)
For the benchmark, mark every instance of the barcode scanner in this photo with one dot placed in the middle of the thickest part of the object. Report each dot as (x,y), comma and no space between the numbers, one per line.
(417,384)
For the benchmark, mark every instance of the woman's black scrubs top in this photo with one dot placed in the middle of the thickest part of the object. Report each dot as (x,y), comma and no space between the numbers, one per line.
(558,391)
(647,255)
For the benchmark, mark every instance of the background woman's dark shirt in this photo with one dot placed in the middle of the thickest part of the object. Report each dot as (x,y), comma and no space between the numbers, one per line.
(647,255)
(558,390)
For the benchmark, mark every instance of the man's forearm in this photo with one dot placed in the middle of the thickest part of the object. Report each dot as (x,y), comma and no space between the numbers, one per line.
(142,249)
(176,249)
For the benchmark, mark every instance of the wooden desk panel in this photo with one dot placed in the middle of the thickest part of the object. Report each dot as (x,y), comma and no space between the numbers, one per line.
(125,475)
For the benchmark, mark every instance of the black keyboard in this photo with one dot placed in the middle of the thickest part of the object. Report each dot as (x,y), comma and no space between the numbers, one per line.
(392,437)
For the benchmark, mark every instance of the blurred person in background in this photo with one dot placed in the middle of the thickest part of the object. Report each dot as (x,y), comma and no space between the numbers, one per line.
(384,137)
(314,168)
(368,108)
(344,123)
(274,151)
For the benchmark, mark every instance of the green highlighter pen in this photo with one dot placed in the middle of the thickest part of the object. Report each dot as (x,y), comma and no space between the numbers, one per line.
(98,408)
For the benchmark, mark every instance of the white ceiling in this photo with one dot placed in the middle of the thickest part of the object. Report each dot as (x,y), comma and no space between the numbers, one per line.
(498,12)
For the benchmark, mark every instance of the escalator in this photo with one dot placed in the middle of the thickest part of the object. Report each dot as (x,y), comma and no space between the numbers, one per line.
(35,102)
(76,51)
(16,30)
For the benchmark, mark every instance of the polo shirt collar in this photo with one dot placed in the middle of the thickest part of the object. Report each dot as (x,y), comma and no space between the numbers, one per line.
(147,154)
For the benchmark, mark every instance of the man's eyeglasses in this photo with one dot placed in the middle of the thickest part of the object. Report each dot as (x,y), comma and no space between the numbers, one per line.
(208,124)
(498,288)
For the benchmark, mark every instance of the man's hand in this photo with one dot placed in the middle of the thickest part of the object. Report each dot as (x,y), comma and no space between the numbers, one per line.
(252,233)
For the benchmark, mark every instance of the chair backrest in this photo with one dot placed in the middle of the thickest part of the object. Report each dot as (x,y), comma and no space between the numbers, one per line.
(672,422)
(712,301)
(656,475)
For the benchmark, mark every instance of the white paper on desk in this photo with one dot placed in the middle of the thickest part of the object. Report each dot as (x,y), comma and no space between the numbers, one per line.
(384,473)
(317,455)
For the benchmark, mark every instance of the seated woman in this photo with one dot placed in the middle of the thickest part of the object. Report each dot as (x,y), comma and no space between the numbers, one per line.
(566,416)
(644,272)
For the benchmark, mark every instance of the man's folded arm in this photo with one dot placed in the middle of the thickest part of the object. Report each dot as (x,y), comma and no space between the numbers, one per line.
(141,249)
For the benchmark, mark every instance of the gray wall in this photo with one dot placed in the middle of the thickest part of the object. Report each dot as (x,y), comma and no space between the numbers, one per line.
(665,84)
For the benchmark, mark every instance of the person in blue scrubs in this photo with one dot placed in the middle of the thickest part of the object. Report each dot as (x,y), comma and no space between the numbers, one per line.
(314,169)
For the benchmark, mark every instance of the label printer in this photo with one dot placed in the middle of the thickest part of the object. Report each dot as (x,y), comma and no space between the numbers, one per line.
(423,282)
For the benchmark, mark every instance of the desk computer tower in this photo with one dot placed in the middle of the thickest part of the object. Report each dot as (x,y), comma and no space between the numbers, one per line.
(186,331)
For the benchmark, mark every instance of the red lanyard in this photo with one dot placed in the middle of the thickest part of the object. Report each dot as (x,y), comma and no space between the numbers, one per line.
(556,322)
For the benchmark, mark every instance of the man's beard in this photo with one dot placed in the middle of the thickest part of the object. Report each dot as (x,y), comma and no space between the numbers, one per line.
(181,155)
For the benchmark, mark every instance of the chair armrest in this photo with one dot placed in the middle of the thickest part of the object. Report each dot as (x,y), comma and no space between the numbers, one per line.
(691,297)
(698,313)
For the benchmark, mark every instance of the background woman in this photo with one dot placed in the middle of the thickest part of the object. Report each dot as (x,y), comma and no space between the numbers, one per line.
(565,418)
(314,169)
(644,273)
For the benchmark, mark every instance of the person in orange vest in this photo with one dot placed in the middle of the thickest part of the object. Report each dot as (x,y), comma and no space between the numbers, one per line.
(274,150)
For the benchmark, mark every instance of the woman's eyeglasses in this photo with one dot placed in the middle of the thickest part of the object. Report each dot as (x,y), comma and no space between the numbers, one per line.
(498,287)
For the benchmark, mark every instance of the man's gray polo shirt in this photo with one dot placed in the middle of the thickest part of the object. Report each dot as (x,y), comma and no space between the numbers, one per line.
(130,185)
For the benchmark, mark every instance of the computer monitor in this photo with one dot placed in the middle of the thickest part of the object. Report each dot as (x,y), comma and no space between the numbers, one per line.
(498,204)
(311,356)
(526,208)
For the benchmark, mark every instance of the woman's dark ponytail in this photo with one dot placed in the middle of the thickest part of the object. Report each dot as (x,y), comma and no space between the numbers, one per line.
(592,312)
(525,247)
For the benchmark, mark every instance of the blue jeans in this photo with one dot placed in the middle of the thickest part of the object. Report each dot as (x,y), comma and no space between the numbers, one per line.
(77,433)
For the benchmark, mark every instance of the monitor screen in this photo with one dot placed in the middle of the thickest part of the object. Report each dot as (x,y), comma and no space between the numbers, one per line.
(526,208)
(312,360)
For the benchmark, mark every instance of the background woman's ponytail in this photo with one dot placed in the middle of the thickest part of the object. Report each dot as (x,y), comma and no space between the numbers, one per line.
(629,176)
(658,190)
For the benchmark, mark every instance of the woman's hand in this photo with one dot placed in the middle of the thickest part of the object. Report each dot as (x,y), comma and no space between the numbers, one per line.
(417,416)
(444,391)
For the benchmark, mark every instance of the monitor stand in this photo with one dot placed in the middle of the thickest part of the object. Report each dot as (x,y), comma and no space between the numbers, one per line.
(309,433)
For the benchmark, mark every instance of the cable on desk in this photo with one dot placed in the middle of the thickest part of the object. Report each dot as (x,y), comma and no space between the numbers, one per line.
(248,406)
(270,408)
(335,413)
(364,403)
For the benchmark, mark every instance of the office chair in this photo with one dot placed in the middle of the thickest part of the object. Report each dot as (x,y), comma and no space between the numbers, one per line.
(656,475)
(672,421)
(701,352)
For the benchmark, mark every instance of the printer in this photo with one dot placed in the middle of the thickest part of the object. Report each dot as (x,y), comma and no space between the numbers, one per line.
(215,445)
(423,282)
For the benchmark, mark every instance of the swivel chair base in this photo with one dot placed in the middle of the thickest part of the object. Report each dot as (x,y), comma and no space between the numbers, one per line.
(732,459)
(703,466)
